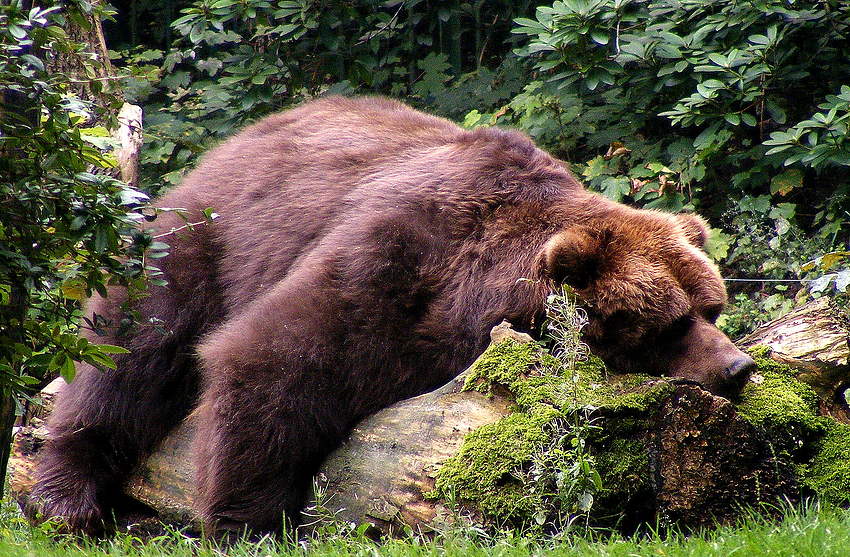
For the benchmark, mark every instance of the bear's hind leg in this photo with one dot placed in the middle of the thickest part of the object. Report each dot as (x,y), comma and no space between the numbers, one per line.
(274,405)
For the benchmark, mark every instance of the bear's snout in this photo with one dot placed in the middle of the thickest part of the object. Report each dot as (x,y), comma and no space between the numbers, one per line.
(738,373)
(740,369)
(712,360)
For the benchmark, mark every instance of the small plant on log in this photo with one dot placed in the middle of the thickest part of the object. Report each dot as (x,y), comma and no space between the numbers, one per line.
(536,464)
(565,463)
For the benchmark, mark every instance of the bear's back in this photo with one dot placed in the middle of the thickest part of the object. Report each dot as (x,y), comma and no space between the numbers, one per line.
(283,183)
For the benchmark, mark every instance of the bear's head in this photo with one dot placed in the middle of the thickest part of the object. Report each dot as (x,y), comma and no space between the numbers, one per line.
(651,294)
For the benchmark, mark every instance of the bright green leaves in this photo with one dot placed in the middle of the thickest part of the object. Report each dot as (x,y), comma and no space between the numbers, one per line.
(819,140)
(573,31)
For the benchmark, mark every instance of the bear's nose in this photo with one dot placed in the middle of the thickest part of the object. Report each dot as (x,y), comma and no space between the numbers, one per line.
(740,369)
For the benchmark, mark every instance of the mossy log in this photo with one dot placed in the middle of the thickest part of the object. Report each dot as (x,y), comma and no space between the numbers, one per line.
(814,339)
(666,450)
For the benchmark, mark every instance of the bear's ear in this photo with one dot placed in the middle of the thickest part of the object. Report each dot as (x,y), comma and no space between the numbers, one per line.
(695,227)
(574,256)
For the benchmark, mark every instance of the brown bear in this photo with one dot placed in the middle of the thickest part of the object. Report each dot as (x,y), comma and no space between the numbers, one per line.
(363,252)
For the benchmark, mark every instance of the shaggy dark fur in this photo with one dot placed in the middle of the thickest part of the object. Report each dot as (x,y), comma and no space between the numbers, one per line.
(363,252)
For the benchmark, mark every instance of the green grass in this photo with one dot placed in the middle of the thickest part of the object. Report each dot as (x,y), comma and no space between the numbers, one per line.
(814,531)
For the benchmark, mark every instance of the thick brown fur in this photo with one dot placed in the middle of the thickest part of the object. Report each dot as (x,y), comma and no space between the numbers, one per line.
(363,252)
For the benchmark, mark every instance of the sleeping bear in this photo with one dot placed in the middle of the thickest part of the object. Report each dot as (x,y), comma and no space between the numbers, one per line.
(363,252)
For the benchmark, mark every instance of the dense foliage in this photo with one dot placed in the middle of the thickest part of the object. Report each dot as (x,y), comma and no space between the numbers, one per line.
(235,60)
(66,230)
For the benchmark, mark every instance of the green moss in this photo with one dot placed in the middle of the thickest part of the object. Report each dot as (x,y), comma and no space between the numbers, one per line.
(484,470)
(828,472)
(489,471)
(787,409)
(779,401)
(640,397)
(502,363)
(624,467)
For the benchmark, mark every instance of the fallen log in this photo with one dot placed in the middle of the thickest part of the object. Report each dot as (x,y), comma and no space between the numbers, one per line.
(664,450)
(815,340)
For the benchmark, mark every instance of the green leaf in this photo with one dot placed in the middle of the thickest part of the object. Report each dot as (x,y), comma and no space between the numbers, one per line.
(100,360)
(718,243)
(18,32)
(595,167)
(779,149)
(759,204)
(718,59)
(615,187)
(786,182)
(530,24)
(776,112)
(599,37)
(67,369)
(471,119)
(111,349)
(74,289)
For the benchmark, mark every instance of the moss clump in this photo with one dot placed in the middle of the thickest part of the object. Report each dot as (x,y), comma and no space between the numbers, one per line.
(828,472)
(503,363)
(491,471)
(624,467)
(484,471)
(779,402)
(639,397)
(787,409)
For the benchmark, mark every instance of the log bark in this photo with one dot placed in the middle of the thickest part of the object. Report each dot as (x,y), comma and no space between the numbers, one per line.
(703,459)
(130,139)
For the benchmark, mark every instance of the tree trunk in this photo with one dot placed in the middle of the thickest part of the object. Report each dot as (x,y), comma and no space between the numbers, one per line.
(93,81)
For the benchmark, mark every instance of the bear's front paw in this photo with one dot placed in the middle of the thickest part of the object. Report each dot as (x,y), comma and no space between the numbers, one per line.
(74,504)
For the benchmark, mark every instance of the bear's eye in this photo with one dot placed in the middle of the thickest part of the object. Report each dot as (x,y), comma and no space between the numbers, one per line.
(712,313)
(620,321)
(677,329)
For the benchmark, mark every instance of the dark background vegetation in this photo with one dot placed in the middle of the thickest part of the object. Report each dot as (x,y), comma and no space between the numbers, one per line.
(737,110)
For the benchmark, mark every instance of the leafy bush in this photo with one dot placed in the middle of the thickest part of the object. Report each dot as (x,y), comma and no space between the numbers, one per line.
(754,88)
(66,227)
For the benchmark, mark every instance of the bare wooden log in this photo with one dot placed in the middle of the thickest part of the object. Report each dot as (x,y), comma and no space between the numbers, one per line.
(390,461)
(812,337)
